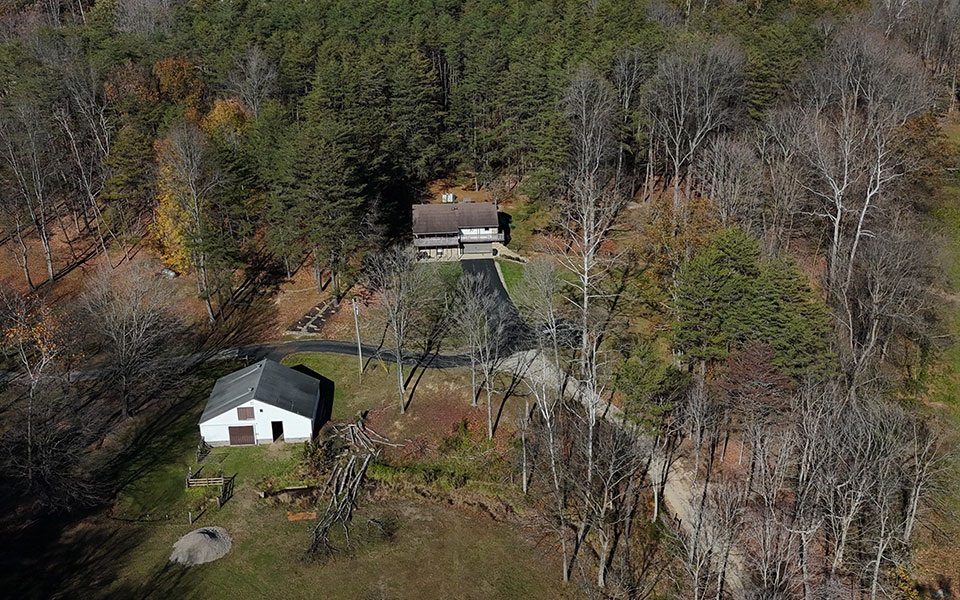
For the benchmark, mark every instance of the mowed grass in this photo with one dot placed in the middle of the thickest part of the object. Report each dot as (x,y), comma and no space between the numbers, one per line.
(377,389)
(512,275)
(437,551)
(946,381)
(527,219)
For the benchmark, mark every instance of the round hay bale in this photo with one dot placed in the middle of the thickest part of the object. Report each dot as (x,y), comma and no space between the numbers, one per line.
(200,546)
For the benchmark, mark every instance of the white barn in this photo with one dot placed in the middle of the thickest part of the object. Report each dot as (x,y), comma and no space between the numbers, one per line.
(263,403)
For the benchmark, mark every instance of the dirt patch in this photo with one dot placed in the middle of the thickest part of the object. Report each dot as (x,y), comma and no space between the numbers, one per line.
(462,192)
(203,545)
(297,296)
(301,516)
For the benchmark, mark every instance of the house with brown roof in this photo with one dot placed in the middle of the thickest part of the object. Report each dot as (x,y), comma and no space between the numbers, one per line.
(456,229)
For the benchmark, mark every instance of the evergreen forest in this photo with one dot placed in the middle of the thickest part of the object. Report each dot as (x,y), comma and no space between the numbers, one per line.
(733,360)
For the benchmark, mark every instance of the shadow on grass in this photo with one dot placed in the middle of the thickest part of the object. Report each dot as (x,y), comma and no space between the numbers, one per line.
(170,581)
(164,438)
(327,390)
(43,562)
(78,555)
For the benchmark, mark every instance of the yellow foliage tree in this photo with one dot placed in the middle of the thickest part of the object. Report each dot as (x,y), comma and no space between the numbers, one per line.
(169,229)
(226,120)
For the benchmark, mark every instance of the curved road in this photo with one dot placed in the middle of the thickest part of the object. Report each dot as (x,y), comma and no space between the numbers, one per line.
(277,350)
(678,494)
(506,314)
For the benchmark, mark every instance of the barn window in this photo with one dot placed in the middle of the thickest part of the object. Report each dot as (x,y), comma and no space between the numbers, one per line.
(245,413)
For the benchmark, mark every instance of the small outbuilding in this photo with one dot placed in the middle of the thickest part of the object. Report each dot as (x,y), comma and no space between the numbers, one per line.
(266,402)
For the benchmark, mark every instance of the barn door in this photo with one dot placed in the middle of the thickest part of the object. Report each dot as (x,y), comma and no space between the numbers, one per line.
(242,436)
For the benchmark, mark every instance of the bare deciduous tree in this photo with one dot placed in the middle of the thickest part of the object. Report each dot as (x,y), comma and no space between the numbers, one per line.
(133,314)
(144,17)
(85,122)
(631,69)
(888,296)
(729,173)
(15,220)
(779,150)
(587,217)
(29,155)
(924,466)
(482,322)
(854,107)
(34,335)
(693,95)
(399,280)
(253,79)
(932,28)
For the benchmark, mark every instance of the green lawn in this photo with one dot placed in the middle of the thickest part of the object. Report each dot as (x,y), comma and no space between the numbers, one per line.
(512,275)
(350,394)
(527,219)
(945,381)
(438,551)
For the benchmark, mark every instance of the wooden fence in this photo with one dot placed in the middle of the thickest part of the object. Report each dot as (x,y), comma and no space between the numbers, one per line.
(203,449)
(226,491)
(226,485)
(194,479)
(204,481)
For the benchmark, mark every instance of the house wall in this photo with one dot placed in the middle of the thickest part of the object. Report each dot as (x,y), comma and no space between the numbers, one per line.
(216,432)
(481,248)
(478,230)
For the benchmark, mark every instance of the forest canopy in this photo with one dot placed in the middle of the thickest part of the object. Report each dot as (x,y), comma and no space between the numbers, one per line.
(725,215)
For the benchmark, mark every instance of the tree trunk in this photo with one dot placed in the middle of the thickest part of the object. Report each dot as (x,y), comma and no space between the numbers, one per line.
(399,357)
(489,411)
(205,293)
(317,271)
(21,256)
(473,380)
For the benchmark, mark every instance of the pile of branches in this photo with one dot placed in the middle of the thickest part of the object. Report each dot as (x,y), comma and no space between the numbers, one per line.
(360,445)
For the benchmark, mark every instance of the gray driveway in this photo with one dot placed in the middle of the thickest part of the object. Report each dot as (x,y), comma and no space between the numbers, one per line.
(516,332)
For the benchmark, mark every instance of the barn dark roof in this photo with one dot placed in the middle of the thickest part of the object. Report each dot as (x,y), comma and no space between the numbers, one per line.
(449,218)
(266,381)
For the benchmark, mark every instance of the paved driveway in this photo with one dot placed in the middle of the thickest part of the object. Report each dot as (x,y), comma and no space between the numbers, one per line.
(516,331)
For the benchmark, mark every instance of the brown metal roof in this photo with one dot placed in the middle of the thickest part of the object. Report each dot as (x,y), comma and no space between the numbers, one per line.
(449,218)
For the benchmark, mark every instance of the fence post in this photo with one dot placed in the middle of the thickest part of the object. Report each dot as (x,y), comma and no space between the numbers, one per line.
(189,517)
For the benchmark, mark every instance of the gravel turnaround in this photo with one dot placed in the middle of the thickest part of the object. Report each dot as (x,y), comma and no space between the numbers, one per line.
(203,545)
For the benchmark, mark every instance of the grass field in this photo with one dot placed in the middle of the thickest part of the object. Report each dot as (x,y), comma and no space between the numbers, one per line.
(438,551)
(527,219)
(512,274)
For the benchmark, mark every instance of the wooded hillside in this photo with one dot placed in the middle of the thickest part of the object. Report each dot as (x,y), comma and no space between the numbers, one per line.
(729,210)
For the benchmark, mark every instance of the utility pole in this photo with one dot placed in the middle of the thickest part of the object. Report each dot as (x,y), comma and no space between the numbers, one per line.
(356,327)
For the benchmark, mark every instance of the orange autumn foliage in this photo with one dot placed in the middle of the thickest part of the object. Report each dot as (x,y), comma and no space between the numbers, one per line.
(132,88)
(180,83)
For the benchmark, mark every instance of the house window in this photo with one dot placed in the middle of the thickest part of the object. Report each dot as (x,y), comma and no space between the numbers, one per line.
(245,413)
